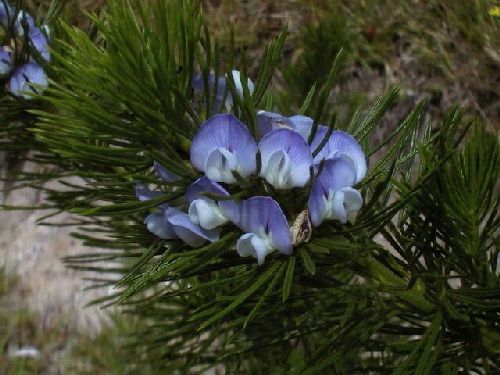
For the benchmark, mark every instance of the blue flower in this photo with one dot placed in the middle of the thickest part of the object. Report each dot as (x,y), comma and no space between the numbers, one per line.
(6,62)
(208,213)
(225,151)
(340,144)
(285,159)
(171,223)
(28,79)
(190,233)
(332,195)
(222,147)
(158,224)
(265,226)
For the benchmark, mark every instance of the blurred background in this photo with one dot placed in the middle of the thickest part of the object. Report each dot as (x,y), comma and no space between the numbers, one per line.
(445,51)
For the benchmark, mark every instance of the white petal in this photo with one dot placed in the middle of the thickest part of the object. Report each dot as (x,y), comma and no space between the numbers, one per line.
(220,164)
(353,201)
(237,83)
(338,210)
(206,213)
(345,203)
(250,244)
(278,170)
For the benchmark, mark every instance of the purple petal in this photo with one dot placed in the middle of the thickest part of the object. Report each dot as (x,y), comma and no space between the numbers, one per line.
(337,173)
(340,144)
(286,159)
(264,217)
(223,145)
(190,233)
(40,42)
(29,78)
(302,125)
(269,121)
(203,185)
(165,174)
(157,224)
(143,193)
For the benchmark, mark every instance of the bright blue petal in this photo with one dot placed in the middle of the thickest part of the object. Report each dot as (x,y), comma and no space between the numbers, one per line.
(337,173)
(264,217)
(165,174)
(223,145)
(190,233)
(340,144)
(285,159)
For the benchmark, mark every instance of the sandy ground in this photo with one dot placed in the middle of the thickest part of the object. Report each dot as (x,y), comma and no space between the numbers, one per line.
(44,285)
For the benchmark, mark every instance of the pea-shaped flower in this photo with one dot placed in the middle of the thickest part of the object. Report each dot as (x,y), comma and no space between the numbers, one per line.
(340,144)
(332,195)
(209,213)
(158,224)
(222,147)
(171,223)
(192,234)
(285,159)
(265,226)
(28,78)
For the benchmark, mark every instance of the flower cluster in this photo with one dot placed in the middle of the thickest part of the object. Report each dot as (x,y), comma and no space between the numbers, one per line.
(24,45)
(225,152)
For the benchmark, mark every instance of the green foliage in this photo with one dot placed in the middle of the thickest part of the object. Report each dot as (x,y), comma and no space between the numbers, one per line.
(350,303)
